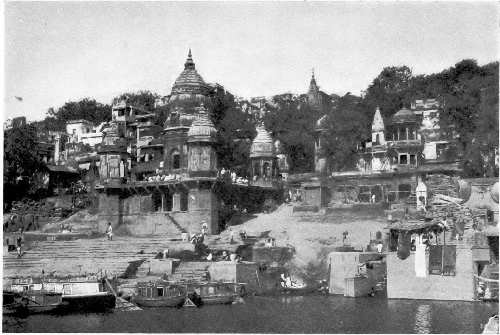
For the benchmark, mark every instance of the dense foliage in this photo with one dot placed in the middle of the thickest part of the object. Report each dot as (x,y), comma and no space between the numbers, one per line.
(292,122)
(22,162)
(86,109)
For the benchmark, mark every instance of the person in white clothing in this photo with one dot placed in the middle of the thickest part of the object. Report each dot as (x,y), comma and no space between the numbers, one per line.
(109,232)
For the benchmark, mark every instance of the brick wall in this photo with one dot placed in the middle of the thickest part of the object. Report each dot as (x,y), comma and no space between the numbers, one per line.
(402,282)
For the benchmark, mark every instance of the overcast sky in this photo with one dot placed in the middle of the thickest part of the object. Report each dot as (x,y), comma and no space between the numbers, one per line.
(57,52)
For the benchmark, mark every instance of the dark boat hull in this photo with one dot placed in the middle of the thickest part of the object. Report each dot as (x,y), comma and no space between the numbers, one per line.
(160,302)
(89,303)
(217,299)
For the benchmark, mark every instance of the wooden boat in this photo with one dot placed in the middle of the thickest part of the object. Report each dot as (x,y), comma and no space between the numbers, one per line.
(159,294)
(74,295)
(213,293)
(32,302)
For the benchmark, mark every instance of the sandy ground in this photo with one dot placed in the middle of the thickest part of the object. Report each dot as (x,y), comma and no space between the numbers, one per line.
(314,235)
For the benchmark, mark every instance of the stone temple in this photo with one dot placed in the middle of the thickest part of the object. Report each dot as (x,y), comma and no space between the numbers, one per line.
(187,188)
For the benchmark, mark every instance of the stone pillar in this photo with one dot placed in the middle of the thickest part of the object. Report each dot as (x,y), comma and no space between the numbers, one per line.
(57,146)
(176,202)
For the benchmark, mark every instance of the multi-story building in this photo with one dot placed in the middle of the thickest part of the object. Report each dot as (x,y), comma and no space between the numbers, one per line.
(403,152)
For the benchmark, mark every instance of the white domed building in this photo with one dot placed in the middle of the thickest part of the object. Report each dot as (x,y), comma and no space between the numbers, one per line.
(262,156)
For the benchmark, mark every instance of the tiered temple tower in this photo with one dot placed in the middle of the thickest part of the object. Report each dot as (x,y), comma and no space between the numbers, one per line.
(202,158)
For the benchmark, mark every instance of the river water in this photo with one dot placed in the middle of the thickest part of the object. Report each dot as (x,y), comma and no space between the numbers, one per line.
(281,314)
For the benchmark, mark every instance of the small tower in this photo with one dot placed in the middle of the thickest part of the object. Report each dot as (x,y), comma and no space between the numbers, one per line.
(113,155)
(378,128)
(320,159)
(262,155)
(313,94)
(202,158)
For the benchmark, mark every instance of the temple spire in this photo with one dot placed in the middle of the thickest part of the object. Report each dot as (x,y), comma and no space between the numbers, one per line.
(313,87)
(189,65)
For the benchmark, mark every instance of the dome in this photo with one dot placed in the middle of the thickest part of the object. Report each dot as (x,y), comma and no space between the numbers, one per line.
(322,122)
(202,129)
(189,84)
(404,116)
(262,145)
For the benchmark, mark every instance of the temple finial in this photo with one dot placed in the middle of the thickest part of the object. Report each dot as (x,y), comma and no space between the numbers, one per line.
(189,64)
(312,71)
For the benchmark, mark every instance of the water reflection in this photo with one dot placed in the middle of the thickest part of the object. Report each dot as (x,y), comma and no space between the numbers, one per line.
(290,299)
(423,319)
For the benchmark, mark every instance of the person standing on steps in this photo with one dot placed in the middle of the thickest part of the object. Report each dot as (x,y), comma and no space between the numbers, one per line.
(109,232)
(19,244)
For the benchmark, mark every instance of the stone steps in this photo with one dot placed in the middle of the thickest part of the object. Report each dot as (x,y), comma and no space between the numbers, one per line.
(190,271)
(83,256)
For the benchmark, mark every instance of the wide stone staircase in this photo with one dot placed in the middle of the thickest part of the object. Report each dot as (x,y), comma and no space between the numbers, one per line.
(191,272)
(77,257)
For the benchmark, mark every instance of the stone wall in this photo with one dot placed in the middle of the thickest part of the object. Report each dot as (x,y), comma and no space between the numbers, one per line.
(345,265)
(402,282)
(244,272)
(135,215)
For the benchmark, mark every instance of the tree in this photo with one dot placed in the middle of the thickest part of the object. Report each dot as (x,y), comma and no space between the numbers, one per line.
(86,109)
(142,99)
(292,122)
(390,90)
(22,162)
(470,114)
(347,127)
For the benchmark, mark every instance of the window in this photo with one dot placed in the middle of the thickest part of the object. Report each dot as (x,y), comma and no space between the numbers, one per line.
(442,260)
(176,159)
(413,160)
(403,159)
(404,191)
(160,291)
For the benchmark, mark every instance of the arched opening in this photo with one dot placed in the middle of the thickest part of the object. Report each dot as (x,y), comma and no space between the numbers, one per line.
(168,201)
(267,170)
(184,200)
(176,159)
(156,199)
(377,139)
(256,169)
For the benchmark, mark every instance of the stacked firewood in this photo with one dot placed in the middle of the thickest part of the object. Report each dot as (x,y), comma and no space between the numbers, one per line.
(442,184)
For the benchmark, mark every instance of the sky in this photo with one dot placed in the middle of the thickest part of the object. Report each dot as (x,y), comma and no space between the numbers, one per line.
(64,51)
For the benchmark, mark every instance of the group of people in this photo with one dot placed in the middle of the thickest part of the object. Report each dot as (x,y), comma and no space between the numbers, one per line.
(158,178)
(293,196)
(231,175)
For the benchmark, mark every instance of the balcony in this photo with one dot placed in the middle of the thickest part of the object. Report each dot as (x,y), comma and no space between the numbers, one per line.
(405,143)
